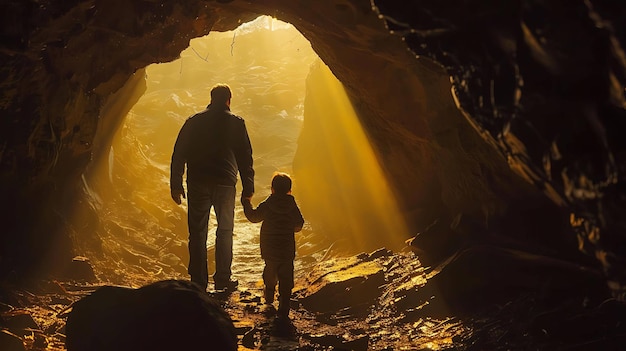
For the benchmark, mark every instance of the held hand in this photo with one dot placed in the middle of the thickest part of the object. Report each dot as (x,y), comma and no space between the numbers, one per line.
(246,199)
(176,194)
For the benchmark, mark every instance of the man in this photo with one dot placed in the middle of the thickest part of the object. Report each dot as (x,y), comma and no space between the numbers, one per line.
(214,144)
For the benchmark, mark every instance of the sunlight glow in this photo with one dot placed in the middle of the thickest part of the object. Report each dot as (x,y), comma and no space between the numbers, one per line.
(338,182)
(339,178)
(265,62)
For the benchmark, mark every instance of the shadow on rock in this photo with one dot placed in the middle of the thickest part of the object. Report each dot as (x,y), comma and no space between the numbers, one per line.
(483,275)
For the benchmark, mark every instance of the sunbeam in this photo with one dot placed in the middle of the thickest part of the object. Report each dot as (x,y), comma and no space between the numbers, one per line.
(349,194)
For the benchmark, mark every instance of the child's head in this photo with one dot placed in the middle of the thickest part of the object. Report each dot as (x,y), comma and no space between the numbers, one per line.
(281,183)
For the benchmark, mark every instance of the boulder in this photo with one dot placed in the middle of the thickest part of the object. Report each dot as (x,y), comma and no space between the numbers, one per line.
(343,283)
(166,315)
(80,269)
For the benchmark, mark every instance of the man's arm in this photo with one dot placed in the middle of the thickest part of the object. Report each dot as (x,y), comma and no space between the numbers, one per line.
(177,167)
(243,154)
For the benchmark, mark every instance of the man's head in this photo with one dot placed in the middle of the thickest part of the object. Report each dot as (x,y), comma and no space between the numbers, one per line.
(281,183)
(220,95)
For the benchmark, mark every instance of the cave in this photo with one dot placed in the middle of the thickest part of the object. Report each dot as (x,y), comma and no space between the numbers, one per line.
(495,125)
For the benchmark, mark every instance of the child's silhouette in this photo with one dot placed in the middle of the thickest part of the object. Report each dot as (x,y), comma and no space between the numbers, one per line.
(281,218)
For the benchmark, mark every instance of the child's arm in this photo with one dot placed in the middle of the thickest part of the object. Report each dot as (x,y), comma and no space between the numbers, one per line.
(253,215)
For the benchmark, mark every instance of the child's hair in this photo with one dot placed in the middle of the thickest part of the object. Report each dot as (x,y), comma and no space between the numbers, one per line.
(281,183)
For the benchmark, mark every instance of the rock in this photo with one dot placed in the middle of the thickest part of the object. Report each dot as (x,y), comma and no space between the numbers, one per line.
(342,283)
(20,320)
(358,343)
(382,252)
(436,242)
(80,269)
(585,324)
(407,295)
(10,341)
(482,276)
(251,338)
(40,341)
(166,315)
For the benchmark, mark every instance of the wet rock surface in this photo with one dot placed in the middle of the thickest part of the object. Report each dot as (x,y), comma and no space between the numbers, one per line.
(338,285)
(414,308)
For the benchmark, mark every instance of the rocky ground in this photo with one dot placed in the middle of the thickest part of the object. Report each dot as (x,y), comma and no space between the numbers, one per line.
(376,301)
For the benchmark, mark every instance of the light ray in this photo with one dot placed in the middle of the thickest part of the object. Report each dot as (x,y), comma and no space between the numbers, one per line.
(339,178)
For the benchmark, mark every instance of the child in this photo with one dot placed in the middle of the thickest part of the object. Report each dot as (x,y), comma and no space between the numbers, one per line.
(281,219)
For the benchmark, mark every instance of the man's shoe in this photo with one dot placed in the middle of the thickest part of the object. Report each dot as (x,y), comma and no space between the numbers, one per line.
(229,285)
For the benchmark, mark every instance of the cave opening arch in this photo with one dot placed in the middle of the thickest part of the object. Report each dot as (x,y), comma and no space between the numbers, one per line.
(267,63)
(440,167)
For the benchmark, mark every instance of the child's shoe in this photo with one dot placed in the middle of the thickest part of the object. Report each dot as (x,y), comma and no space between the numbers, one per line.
(268,294)
(283,308)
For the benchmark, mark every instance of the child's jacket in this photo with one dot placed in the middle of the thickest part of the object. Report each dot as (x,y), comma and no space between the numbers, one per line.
(281,218)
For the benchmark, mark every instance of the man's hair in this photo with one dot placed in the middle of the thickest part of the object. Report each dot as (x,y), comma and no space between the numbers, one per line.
(220,93)
(281,183)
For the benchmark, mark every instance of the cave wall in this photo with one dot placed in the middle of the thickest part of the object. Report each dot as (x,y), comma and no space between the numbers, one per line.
(543,83)
(61,62)
(538,112)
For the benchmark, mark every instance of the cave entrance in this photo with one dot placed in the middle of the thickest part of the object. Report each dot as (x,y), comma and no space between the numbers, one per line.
(270,68)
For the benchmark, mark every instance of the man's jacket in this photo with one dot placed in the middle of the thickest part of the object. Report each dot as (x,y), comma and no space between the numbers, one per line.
(214,144)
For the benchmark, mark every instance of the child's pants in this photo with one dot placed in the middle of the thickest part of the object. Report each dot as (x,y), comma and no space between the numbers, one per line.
(281,272)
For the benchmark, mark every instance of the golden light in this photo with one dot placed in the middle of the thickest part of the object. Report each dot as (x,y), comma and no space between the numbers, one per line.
(339,179)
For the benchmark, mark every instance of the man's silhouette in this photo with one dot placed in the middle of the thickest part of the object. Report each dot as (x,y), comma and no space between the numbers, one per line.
(214,144)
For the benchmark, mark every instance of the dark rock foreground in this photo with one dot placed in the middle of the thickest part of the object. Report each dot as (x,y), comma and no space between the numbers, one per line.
(166,315)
